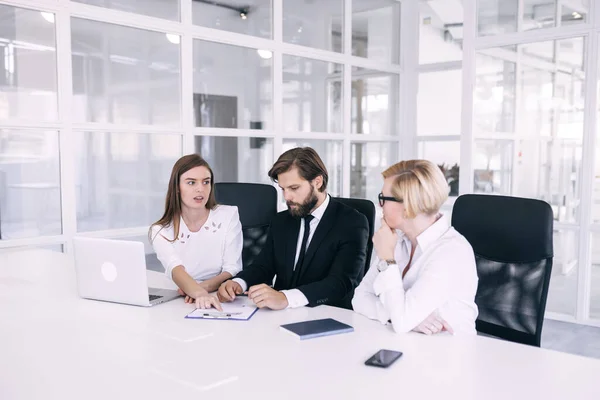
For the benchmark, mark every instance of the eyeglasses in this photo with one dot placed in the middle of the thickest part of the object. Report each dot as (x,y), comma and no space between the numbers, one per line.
(383,199)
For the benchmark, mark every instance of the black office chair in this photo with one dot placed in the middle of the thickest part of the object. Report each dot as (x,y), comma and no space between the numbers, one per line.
(257,204)
(512,241)
(367,208)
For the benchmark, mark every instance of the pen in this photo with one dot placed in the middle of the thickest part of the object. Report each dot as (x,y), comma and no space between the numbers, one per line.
(217,316)
(220,315)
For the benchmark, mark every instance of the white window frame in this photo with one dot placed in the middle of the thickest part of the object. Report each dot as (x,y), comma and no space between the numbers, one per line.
(64,10)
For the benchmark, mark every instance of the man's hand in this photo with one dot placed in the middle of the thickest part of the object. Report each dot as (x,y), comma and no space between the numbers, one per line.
(202,299)
(228,290)
(267,297)
(433,324)
(384,241)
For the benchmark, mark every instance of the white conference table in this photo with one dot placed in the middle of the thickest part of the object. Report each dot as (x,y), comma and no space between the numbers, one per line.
(54,345)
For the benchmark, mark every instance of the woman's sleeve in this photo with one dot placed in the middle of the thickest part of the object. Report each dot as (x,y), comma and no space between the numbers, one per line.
(442,274)
(165,250)
(234,241)
(365,301)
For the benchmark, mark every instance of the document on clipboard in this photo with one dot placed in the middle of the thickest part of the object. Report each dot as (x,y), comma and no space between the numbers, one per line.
(231,311)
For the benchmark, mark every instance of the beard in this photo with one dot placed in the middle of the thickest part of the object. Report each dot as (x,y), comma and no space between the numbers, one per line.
(304,208)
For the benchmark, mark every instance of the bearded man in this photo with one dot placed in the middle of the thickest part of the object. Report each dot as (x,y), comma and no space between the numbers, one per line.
(315,250)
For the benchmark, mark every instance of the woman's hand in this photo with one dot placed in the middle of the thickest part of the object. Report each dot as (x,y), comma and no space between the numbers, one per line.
(384,241)
(202,299)
(433,324)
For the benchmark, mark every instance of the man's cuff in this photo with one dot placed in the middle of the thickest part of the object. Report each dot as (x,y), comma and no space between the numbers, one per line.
(295,298)
(242,283)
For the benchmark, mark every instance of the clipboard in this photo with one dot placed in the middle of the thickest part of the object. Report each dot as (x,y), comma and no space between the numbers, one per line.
(231,311)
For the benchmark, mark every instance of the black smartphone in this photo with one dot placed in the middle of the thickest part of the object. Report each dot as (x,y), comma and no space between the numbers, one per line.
(383,358)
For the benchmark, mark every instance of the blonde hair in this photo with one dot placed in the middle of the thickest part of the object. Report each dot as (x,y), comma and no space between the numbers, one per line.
(420,184)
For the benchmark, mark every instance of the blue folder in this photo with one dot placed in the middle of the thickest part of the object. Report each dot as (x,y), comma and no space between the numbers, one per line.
(315,328)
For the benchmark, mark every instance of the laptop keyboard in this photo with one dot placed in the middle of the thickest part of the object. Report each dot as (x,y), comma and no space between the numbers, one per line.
(153,297)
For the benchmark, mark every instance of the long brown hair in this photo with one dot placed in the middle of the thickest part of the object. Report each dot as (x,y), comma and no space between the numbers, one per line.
(172,212)
(308,162)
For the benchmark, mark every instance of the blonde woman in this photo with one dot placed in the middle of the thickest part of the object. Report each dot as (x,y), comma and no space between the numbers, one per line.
(422,276)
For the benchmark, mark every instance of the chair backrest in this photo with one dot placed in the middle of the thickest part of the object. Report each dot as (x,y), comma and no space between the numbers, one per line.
(257,204)
(512,241)
(367,208)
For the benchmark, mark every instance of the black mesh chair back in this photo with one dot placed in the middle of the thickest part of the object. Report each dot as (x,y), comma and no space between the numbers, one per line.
(512,241)
(257,204)
(367,208)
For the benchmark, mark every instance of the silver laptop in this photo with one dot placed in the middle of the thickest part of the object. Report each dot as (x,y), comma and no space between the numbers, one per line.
(115,270)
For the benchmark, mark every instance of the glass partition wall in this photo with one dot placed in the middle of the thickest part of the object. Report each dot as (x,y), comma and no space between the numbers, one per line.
(530,82)
(99,98)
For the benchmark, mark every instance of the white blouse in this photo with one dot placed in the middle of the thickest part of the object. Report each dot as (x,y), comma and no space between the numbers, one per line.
(442,277)
(215,248)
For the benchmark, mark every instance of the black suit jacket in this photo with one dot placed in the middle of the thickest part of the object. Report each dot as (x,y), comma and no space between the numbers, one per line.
(334,262)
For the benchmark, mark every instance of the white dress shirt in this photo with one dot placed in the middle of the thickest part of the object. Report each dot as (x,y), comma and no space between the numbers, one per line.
(442,277)
(215,248)
(295,297)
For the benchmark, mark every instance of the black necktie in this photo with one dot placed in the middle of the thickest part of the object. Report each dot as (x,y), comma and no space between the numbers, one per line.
(298,267)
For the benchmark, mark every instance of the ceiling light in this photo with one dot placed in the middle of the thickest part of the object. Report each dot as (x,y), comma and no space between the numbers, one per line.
(48,16)
(243,15)
(173,38)
(266,54)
